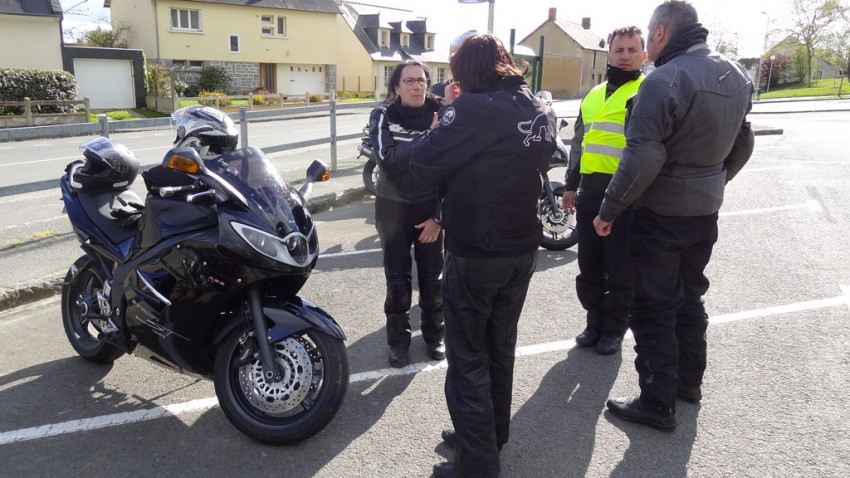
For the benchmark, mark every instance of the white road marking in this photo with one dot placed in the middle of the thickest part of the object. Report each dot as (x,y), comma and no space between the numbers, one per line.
(811,205)
(38,221)
(105,421)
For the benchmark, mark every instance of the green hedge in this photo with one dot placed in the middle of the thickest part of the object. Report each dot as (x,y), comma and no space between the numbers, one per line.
(36,84)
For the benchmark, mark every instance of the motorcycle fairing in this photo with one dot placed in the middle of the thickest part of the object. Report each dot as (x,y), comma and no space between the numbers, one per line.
(297,314)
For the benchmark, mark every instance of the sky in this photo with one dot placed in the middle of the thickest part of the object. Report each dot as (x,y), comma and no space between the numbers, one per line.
(748,19)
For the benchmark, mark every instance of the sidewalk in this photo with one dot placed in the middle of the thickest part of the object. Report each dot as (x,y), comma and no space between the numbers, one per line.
(48,260)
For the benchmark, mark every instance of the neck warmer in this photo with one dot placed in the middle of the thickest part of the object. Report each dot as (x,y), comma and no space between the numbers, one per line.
(683,38)
(618,77)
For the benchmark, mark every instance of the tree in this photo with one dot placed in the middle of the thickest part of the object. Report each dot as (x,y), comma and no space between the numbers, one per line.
(114,37)
(723,41)
(811,26)
(776,70)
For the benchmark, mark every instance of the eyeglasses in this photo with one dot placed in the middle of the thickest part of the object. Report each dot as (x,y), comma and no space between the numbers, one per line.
(413,81)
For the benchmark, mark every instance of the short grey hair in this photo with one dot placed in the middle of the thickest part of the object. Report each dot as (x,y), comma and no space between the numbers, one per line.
(674,14)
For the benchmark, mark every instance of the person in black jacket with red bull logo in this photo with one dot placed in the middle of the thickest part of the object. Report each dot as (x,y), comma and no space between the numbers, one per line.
(407,212)
(487,151)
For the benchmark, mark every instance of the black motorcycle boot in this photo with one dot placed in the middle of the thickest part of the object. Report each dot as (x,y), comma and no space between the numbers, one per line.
(398,357)
(634,410)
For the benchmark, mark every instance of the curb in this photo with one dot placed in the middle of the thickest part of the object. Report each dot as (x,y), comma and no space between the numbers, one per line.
(50,286)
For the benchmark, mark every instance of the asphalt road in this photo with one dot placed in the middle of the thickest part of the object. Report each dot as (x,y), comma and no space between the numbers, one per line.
(775,397)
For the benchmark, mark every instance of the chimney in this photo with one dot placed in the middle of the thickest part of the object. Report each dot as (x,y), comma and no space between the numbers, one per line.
(585,23)
(553,14)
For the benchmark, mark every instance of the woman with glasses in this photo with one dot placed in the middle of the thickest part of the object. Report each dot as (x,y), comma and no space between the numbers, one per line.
(407,212)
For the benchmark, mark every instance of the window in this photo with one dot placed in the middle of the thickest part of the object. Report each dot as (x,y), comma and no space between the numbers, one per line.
(182,19)
(429,42)
(405,40)
(195,64)
(388,72)
(273,26)
(441,75)
(385,38)
(234,43)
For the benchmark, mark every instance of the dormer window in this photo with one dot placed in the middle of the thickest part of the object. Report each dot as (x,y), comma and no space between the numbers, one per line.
(405,40)
(429,41)
(385,38)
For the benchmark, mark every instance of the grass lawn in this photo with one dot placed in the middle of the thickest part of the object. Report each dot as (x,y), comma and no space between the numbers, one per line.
(828,87)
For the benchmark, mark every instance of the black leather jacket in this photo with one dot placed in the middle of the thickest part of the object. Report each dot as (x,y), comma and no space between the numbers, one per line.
(687,133)
(392,127)
(488,151)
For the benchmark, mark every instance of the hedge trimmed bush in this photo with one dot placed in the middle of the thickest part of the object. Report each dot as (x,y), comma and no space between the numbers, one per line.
(38,85)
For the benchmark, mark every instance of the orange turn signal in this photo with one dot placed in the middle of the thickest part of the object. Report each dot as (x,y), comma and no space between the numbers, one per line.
(182,163)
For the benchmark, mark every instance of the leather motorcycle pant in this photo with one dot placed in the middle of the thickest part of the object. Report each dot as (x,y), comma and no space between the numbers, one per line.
(668,320)
(604,282)
(396,241)
(483,299)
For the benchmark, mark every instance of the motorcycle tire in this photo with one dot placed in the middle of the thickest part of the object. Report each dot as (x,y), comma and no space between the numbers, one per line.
(314,384)
(557,235)
(83,336)
(370,177)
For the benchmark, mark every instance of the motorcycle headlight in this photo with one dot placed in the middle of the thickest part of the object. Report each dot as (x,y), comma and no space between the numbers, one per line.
(295,249)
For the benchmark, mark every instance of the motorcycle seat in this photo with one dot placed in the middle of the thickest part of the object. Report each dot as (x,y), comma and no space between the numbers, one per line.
(99,208)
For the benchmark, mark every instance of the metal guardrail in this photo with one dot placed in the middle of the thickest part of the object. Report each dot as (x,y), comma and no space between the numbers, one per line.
(243,117)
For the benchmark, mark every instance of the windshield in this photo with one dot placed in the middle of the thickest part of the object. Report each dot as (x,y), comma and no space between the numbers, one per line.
(277,203)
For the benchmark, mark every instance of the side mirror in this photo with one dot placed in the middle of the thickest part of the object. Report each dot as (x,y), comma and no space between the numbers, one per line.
(317,171)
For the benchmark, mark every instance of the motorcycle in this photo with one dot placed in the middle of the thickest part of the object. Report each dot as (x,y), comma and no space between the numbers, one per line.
(203,279)
(559,228)
(370,169)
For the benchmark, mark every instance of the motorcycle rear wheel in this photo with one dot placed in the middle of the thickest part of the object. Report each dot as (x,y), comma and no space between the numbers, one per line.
(557,235)
(370,177)
(299,406)
(82,335)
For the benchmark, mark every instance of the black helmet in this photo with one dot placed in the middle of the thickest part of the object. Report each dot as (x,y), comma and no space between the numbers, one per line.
(109,166)
(208,130)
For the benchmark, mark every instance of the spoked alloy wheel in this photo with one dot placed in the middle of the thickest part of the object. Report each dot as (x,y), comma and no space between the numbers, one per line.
(559,228)
(315,379)
(80,295)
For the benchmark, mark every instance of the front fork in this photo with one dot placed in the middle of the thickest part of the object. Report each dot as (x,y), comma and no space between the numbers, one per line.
(97,310)
(556,212)
(271,369)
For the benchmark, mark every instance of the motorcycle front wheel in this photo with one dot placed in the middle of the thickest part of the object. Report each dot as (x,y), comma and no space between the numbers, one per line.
(370,176)
(559,230)
(79,301)
(315,379)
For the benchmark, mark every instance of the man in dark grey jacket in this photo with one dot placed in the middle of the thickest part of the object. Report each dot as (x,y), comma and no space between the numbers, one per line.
(686,137)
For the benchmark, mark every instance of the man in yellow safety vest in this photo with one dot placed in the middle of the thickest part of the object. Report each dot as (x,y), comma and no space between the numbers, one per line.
(604,283)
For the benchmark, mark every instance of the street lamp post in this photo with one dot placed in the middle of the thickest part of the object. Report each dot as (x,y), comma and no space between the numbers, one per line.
(490,15)
(770,71)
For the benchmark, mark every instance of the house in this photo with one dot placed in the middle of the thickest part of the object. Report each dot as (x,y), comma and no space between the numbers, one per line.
(40,23)
(821,69)
(373,39)
(281,46)
(574,57)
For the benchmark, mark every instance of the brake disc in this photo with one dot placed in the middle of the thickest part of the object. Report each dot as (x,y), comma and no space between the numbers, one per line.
(276,398)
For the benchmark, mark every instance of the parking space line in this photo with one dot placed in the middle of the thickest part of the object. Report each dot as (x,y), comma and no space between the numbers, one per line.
(201,404)
(811,205)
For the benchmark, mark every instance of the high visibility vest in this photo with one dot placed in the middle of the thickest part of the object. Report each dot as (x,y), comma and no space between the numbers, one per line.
(604,127)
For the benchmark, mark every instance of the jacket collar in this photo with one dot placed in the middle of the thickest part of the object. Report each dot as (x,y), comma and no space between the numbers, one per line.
(682,41)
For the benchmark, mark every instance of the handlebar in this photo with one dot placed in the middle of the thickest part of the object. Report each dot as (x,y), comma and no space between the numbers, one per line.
(168,191)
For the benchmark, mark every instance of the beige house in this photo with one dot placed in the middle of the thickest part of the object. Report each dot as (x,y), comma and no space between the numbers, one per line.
(40,23)
(372,40)
(574,57)
(286,47)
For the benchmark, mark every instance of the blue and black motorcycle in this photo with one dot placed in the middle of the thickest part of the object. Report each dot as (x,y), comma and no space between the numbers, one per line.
(202,278)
